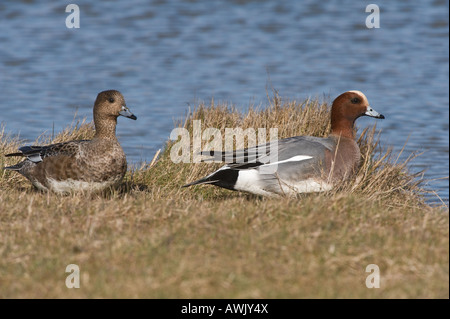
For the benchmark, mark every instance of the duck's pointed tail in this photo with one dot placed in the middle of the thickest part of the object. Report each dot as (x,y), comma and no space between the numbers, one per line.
(16,167)
(14,154)
(205,180)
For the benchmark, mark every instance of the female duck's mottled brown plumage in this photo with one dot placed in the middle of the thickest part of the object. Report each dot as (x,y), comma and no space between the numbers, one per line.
(80,165)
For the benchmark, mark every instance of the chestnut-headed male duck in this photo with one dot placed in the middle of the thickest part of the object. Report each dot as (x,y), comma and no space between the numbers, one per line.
(82,165)
(300,164)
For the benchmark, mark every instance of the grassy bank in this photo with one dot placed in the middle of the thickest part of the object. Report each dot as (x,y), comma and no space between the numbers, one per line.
(149,238)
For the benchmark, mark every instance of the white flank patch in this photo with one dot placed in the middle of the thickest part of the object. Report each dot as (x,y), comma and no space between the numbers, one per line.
(71,185)
(307,186)
(248,181)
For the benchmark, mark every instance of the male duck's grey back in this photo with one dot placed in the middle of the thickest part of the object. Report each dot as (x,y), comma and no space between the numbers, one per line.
(84,164)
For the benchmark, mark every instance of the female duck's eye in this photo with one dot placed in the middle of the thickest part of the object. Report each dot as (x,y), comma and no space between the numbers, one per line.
(111,100)
(355,100)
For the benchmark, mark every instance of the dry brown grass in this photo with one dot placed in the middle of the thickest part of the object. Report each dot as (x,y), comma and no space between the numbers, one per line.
(151,238)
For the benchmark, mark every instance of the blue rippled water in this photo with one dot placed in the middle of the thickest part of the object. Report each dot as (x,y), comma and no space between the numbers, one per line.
(166,55)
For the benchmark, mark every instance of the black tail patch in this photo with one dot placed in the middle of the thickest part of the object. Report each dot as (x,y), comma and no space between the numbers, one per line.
(225,178)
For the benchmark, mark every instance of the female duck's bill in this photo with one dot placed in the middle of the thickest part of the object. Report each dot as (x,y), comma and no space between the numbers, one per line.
(127,113)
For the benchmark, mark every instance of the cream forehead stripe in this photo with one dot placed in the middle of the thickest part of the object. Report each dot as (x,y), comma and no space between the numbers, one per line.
(360,93)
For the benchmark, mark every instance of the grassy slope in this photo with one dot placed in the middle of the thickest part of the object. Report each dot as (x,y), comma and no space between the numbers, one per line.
(149,238)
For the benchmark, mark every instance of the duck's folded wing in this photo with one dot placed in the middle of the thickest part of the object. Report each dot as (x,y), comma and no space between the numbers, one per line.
(37,154)
(282,151)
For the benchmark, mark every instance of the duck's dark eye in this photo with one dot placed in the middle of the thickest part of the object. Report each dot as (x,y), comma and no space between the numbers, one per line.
(111,100)
(355,100)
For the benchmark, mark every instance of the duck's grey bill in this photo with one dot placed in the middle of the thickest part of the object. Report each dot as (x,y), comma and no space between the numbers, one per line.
(371,112)
(126,112)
